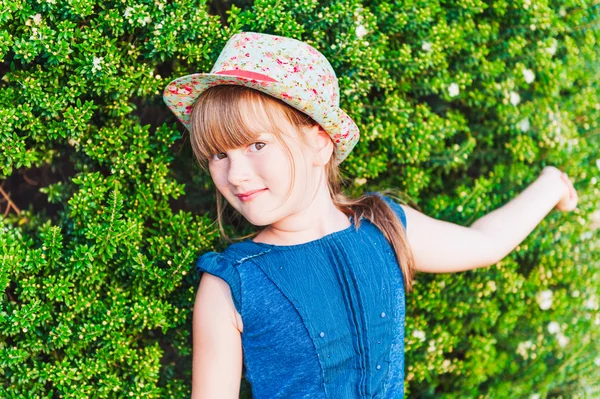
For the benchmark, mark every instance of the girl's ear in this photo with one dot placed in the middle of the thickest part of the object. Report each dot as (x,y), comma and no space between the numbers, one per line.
(322,145)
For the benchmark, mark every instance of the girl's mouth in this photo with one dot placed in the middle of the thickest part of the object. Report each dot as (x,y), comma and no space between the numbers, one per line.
(251,195)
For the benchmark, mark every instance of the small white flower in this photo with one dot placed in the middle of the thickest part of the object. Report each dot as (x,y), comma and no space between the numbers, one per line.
(535,396)
(128,12)
(562,340)
(491,285)
(360,181)
(528,75)
(590,303)
(515,98)
(553,327)
(37,18)
(36,35)
(360,31)
(523,347)
(524,125)
(597,361)
(552,49)
(453,90)
(431,347)
(97,63)
(544,299)
(598,163)
(146,20)
(419,335)
(586,236)
(427,46)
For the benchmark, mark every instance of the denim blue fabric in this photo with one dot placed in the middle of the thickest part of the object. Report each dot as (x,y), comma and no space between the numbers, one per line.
(322,319)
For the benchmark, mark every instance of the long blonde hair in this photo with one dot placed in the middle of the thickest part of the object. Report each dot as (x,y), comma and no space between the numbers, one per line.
(225,117)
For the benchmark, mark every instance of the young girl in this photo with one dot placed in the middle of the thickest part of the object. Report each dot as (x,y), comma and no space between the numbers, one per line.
(313,304)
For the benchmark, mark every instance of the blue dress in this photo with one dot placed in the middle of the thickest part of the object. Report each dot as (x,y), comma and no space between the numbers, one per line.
(322,319)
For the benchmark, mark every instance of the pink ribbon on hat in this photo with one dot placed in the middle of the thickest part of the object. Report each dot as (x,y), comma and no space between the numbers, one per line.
(246,74)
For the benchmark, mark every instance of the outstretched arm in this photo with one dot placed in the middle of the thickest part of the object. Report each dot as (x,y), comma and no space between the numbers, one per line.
(442,247)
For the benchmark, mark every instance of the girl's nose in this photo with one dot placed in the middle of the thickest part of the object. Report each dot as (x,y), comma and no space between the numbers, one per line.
(239,170)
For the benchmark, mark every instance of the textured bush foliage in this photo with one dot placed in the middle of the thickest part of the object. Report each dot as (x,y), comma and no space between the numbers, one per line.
(460,106)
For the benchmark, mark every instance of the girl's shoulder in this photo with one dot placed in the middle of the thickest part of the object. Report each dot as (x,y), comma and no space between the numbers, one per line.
(224,265)
(228,260)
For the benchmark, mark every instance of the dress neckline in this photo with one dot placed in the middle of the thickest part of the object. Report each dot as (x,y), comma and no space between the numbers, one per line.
(317,241)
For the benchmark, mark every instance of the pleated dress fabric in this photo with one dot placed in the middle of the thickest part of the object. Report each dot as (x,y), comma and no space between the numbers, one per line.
(322,319)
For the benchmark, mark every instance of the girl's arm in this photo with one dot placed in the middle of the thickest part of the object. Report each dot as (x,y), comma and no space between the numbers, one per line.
(441,247)
(217,347)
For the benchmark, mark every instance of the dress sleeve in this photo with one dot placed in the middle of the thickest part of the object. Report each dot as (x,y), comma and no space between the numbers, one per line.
(217,265)
(396,208)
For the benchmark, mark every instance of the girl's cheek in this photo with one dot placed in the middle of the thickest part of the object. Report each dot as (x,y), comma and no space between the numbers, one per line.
(216,173)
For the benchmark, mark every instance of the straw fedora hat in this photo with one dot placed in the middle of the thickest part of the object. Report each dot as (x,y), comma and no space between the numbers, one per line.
(282,67)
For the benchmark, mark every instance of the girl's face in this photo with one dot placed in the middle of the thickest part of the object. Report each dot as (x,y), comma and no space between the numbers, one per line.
(256,179)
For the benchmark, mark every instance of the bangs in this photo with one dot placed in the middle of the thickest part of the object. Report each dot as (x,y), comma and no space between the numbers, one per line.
(231,116)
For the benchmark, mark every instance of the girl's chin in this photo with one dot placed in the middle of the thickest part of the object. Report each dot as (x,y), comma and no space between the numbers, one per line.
(259,218)
(258,221)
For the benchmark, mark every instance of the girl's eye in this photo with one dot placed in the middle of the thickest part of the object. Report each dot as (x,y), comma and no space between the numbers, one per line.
(218,156)
(259,146)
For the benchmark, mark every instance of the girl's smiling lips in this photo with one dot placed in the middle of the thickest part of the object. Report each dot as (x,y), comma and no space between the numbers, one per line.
(249,195)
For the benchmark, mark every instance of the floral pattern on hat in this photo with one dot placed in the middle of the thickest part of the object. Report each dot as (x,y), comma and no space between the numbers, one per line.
(282,67)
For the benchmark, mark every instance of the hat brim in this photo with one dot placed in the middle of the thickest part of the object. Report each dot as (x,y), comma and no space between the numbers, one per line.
(181,94)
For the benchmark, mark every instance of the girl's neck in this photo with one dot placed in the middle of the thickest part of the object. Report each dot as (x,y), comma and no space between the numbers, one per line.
(318,219)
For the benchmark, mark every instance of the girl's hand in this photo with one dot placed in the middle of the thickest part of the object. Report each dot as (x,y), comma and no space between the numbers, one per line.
(568,201)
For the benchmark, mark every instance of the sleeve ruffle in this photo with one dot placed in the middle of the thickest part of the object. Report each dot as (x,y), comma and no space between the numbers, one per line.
(217,265)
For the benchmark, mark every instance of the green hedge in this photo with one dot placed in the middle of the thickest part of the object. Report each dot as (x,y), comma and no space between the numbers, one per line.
(460,106)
